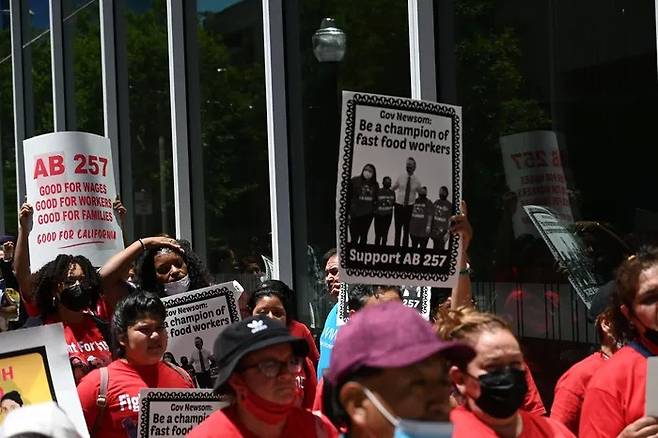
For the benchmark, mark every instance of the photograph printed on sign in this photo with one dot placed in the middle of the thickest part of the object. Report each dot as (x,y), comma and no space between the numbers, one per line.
(399,182)
(194,320)
(567,249)
(35,368)
(173,413)
(25,379)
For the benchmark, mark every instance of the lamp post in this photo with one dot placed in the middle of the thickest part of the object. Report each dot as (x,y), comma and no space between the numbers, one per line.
(329,42)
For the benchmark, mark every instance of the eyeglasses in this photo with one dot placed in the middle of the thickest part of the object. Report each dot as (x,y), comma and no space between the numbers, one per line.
(272,368)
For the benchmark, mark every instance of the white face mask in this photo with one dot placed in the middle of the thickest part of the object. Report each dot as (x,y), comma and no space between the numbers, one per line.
(177,287)
(405,428)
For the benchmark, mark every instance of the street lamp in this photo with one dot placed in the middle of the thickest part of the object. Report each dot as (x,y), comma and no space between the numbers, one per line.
(329,42)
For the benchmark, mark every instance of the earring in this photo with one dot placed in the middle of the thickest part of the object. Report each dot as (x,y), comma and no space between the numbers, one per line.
(54,301)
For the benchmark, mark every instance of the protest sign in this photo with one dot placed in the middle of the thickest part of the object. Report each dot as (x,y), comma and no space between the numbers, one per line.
(651,408)
(399,182)
(418,298)
(567,250)
(34,363)
(202,313)
(534,173)
(415,297)
(173,413)
(70,185)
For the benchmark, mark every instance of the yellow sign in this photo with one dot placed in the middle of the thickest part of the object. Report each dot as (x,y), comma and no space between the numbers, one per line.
(26,372)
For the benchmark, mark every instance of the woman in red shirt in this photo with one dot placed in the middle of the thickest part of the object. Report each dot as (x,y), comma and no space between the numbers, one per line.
(140,340)
(615,398)
(64,290)
(493,385)
(275,299)
(259,362)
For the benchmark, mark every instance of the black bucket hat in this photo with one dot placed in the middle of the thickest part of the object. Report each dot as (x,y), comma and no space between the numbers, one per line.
(250,334)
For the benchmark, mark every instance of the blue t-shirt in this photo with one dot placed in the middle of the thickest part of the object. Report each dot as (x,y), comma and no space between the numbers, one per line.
(327,339)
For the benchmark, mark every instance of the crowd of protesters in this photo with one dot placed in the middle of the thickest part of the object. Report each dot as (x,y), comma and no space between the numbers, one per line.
(387,372)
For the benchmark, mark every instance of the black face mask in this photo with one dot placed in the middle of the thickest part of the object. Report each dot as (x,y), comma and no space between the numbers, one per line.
(502,392)
(75,297)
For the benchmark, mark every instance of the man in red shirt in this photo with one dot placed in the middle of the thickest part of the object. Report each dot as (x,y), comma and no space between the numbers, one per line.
(382,379)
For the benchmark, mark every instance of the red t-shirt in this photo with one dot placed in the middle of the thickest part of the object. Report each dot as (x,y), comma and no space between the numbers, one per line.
(124,383)
(615,396)
(310,383)
(532,402)
(467,425)
(300,330)
(570,390)
(85,344)
(299,424)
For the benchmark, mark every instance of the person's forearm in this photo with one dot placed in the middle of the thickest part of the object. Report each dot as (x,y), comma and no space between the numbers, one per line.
(22,265)
(461,294)
(113,271)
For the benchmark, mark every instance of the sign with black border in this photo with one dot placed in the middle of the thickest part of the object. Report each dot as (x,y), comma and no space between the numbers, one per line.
(399,181)
(416,297)
(173,413)
(202,313)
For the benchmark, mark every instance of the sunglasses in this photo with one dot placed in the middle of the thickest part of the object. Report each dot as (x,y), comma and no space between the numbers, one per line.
(272,368)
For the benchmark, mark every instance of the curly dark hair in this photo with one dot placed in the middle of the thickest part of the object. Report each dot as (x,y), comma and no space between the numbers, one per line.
(196,270)
(628,282)
(46,280)
(128,311)
(277,289)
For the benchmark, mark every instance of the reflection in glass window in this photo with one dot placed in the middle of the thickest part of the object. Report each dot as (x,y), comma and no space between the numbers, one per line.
(555,114)
(37,72)
(233,139)
(7,147)
(150,117)
(82,65)
(376,60)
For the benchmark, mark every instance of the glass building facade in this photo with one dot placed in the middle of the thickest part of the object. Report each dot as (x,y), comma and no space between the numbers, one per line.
(224,126)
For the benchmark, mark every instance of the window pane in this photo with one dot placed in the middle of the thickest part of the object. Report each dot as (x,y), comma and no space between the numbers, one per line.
(82,66)
(233,138)
(36,67)
(7,160)
(376,60)
(578,103)
(150,116)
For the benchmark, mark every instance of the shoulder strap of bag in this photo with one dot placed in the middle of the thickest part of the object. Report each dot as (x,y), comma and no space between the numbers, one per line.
(644,351)
(184,374)
(101,399)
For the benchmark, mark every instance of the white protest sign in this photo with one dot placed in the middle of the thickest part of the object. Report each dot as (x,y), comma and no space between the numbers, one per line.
(399,182)
(70,184)
(567,250)
(173,413)
(652,387)
(533,171)
(34,362)
(201,313)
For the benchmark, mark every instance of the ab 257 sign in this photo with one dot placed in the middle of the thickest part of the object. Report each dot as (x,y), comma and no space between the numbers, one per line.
(69,181)
(399,183)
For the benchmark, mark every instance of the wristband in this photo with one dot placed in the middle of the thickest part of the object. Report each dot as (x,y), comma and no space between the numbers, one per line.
(142,243)
(466,271)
